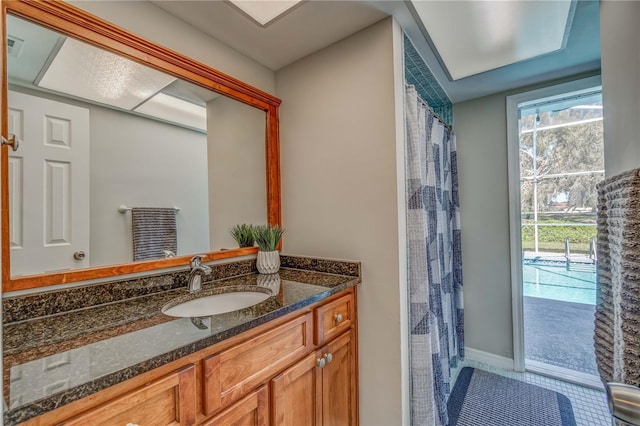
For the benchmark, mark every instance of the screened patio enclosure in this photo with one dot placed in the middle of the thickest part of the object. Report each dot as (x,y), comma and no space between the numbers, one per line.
(561,161)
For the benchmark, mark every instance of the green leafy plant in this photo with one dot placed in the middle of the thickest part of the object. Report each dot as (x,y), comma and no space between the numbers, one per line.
(243,234)
(268,236)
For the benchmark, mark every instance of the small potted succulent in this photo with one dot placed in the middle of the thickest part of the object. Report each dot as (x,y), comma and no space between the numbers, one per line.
(268,237)
(243,234)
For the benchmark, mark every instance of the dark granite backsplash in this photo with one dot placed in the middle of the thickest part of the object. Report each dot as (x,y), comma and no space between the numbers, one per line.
(327,266)
(21,308)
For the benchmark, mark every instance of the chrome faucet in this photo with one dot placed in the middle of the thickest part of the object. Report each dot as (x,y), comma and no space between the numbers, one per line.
(198,270)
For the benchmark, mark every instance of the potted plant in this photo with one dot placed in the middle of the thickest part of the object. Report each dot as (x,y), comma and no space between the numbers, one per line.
(268,237)
(243,234)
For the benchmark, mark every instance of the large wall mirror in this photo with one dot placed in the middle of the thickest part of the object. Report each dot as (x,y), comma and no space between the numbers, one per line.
(110,125)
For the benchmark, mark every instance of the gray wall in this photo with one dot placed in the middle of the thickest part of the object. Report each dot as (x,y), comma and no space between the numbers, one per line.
(140,162)
(340,191)
(481,129)
(620,39)
(237,168)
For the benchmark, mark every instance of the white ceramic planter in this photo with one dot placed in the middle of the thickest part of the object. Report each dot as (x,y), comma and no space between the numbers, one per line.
(270,281)
(268,262)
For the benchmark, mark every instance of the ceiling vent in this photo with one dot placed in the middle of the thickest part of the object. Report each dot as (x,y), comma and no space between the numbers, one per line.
(14,46)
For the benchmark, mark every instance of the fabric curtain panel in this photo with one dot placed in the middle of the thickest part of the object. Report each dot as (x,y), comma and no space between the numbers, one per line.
(434,260)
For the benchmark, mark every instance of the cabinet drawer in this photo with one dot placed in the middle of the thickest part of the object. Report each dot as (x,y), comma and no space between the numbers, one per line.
(170,400)
(333,318)
(252,410)
(236,371)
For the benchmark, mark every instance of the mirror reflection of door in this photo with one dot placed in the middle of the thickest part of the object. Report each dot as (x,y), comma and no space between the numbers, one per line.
(49,210)
(156,141)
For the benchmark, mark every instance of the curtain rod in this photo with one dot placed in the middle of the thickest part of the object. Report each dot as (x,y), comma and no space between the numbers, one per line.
(444,123)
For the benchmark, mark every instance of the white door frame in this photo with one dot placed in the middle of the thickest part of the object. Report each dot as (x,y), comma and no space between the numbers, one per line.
(513,160)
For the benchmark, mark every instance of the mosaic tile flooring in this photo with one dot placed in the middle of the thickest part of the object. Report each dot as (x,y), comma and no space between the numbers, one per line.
(589,405)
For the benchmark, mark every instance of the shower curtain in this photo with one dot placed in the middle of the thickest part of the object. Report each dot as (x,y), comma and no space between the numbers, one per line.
(434,260)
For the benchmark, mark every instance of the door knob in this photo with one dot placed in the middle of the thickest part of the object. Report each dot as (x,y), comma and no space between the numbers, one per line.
(13,142)
(79,255)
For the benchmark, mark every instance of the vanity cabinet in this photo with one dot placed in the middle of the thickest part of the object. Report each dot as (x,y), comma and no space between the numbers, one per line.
(320,389)
(170,400)
(273,374)
(231,373)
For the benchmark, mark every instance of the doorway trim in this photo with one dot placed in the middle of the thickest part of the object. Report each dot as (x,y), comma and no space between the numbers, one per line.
(513,163)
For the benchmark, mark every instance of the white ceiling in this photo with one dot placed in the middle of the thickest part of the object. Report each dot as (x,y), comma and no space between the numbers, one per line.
(305,29)
(492,34)
(50,62)
(580,54)
(315,24)
(264,11)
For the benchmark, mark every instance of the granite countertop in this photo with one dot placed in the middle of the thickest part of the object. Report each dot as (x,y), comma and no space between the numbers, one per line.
(55,359)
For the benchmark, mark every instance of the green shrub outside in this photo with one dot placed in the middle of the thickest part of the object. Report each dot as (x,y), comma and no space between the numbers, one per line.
(551,238)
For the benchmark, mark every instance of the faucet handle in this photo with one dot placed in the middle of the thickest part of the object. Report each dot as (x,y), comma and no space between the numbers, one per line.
(196,260)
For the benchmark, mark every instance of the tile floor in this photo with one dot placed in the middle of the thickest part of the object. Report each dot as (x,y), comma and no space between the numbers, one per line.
(589,405)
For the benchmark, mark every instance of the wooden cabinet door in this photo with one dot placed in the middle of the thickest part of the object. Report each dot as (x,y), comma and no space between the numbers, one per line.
(295,394)
(170,400)
(234,372)
(252,410)
(338,388)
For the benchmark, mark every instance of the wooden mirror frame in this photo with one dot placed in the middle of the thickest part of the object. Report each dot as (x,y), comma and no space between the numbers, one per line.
(74,22)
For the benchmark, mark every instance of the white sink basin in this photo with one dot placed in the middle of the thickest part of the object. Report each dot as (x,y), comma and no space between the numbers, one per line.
(215,304)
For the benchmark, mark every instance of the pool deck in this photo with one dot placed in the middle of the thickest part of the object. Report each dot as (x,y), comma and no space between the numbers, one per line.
(560,334)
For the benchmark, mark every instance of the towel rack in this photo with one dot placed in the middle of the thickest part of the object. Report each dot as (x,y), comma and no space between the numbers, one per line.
(123,209)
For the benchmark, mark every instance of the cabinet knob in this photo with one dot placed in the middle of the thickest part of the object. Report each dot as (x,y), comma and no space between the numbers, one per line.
(321,362)
(328,357)
(338,318)
(131,424)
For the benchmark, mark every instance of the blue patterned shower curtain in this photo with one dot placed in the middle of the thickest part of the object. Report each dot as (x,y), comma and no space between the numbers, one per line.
(434,258)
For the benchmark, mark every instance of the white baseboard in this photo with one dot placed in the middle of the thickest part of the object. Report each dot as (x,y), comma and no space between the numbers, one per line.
(488,358)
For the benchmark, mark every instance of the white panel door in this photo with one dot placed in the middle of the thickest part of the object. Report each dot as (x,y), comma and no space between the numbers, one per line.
(48,185)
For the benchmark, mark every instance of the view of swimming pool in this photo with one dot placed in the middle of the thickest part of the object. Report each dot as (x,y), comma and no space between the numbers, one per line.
(551,281)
